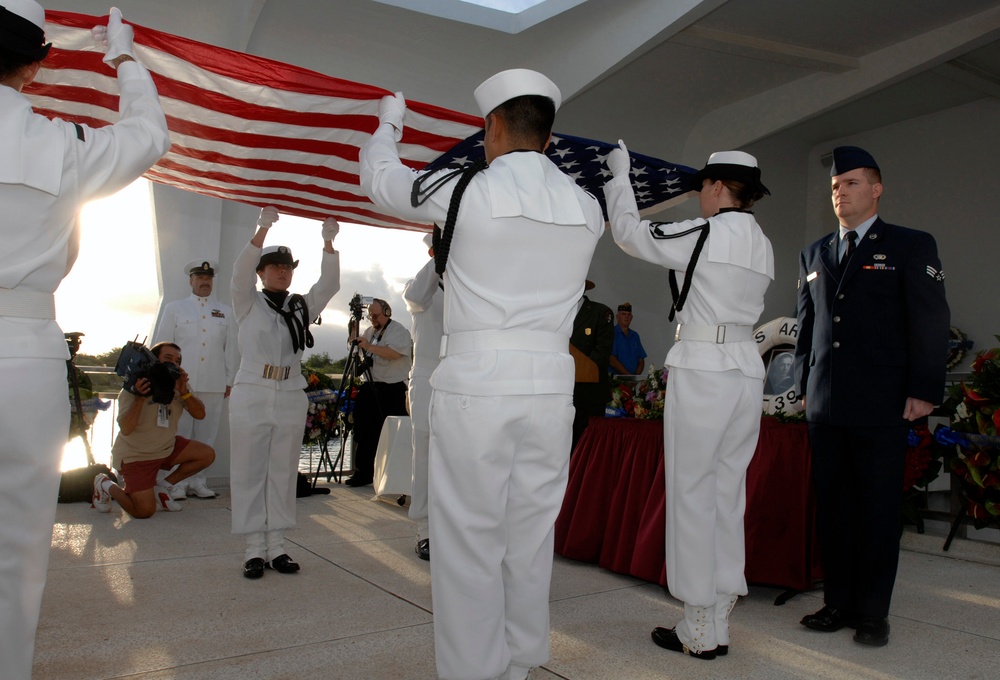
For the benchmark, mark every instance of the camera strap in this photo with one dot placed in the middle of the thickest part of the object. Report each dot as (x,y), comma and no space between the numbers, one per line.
(296,318)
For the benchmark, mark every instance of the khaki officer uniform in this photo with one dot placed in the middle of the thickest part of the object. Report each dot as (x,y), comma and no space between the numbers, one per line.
(712,404)
(50,168)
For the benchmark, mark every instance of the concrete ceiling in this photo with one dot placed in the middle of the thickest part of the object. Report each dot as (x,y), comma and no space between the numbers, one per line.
(683,76)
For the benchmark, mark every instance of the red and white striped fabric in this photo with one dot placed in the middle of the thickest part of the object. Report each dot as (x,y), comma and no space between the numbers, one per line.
(244,128)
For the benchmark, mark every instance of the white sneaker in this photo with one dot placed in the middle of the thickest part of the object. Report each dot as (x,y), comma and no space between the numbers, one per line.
(164,501)
(198,487)
(102,499)
(178,491)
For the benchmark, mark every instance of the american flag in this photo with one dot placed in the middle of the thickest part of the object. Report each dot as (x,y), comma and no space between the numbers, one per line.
(657,184)
(257,131)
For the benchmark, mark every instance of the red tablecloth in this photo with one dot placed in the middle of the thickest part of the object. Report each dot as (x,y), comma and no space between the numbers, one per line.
(613,511)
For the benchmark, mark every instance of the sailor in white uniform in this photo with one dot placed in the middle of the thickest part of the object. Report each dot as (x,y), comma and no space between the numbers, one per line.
(715,386)
(206,332)
(49,170)
(514,256)
(267,409)
(425,303)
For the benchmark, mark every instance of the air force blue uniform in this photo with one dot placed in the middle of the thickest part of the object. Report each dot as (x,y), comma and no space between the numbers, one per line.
(868,339)
(878,335)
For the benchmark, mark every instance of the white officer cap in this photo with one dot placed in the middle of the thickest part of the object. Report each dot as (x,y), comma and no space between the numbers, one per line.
(515,82)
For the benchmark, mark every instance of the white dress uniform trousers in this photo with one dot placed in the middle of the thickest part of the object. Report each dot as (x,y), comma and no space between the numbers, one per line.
(501,411)
(713,403)
(424,302)
(49,170)
(266,415)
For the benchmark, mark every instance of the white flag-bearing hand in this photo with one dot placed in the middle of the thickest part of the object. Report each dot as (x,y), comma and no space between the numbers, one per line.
(268,216)
(391,110)
(116,36)
(618,161)
(330,229)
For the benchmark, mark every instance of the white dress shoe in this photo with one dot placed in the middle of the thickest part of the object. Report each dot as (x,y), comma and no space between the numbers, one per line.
(199,488)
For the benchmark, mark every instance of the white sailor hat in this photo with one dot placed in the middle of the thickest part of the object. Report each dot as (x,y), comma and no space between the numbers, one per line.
(201,267)
(735,165)
(276,255)
(26,9)
(22,29)
(515,82)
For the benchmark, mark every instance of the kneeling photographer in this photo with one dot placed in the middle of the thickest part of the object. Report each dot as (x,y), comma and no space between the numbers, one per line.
(386,348)
(156,393)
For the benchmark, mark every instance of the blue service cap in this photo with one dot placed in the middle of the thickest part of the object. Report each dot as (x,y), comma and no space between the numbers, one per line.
(847,158)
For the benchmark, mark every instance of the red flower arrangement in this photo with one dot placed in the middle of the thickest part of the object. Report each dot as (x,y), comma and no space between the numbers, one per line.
(975,408)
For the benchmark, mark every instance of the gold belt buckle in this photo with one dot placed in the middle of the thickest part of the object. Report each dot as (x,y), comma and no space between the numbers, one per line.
(276,372)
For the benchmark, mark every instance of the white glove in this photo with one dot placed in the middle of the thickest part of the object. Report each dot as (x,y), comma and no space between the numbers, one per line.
(330,229)
(268,216)
(391,110)
(116,36)
(618,161)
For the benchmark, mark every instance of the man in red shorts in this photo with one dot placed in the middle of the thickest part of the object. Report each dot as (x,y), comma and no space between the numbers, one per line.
(147,441)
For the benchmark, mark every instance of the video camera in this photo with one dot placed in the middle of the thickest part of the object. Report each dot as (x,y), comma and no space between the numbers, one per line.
(358,304)
(136,361)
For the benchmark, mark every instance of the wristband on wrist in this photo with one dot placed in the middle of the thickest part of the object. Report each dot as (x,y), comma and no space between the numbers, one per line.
(187,396)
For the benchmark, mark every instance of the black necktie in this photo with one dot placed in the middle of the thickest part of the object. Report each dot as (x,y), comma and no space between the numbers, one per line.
(852,237)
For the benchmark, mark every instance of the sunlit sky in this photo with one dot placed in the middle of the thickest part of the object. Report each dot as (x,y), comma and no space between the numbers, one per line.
(111,295)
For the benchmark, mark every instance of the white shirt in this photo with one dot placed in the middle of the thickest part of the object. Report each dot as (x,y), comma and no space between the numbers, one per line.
(395,336)
(522,246)
(425,303)
(728,285)
(263,334)
(46,176)
(205,329)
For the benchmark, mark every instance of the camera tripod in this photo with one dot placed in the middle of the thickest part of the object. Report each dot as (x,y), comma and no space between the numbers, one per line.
(355,368)
(77,426)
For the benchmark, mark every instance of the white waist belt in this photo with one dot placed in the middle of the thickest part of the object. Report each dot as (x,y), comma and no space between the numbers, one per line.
(477,341)
(717,334)
(267,371)
(27,303)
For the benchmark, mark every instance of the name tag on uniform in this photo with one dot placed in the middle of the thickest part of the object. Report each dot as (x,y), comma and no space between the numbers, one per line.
(811,277)
(163,415)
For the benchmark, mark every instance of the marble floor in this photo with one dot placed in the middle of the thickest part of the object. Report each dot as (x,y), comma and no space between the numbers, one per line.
(164,598)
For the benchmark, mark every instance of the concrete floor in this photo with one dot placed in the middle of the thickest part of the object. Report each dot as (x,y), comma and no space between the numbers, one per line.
(164,598)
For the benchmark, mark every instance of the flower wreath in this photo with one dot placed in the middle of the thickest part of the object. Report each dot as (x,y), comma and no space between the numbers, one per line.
(958,346)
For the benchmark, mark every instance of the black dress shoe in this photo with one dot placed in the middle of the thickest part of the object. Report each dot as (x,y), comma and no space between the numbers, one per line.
(423,549)
(872,631)
(253,568)
(667,638)
(358,481)
(828,619)
(283,564)
(722,650)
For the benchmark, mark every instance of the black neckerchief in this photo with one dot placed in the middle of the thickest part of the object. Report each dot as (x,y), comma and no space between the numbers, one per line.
(296,318)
